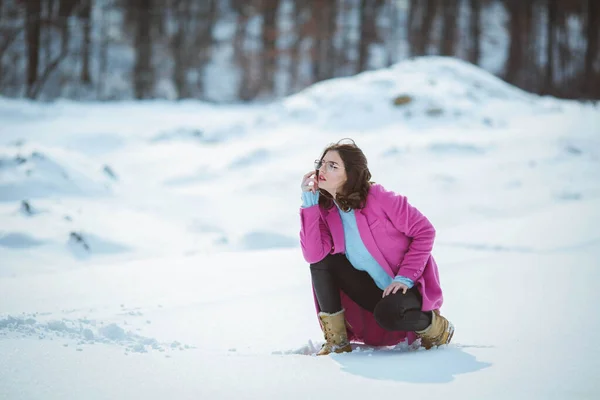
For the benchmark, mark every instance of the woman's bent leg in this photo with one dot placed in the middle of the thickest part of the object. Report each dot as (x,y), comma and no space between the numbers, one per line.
(331,317)
(395,312)
(402,312)
(356,284)
(325,284)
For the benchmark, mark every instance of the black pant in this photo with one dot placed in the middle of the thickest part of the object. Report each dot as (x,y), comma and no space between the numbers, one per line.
(395,312)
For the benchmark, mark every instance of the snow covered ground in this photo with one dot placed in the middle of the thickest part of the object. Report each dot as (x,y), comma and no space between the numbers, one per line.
(150,250)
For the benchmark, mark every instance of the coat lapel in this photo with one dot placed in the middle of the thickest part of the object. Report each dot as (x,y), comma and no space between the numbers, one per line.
(369,241)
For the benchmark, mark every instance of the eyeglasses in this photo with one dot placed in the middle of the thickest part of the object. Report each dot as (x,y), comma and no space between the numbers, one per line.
(330,165)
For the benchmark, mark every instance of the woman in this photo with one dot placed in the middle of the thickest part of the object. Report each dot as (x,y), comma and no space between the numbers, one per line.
(374,278)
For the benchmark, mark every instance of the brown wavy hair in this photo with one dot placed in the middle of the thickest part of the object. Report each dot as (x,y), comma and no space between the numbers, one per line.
(353,194)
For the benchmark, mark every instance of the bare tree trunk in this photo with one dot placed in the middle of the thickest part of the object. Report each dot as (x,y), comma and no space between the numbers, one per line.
(392,45)
(422,36)
(330,39)
(563,54)
(323,14)
(551,20)
(143,79)
(204,40)
(515,51)
(529,78)
(8,37)
(413,25)
(66,8)
(32,32)
(450,14)
(475,31)
(341,56)
(103,62)
(301,27)
(158,17)
(37,86)
(86,15)
(182,15)
(46,34)
(592,77)
(269,45)
(368,33)
(295,47)
(249,87)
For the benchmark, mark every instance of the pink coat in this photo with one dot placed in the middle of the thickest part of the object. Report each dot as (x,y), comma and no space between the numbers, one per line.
(397,235)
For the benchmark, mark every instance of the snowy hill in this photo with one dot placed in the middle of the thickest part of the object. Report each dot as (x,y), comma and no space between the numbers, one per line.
(155,245)
(422,92)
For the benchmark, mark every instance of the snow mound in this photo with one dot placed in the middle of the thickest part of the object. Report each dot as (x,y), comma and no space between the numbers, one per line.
(81,332)
(422,91)
(36,171)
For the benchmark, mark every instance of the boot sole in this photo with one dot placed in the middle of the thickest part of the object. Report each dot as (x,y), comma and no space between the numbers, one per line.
(345,349)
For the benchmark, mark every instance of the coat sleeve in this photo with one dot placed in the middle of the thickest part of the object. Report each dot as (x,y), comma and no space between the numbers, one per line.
(315,238)
(408,220)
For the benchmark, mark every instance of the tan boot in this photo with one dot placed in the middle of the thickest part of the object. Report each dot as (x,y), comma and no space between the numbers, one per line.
(438,333)
(334,329)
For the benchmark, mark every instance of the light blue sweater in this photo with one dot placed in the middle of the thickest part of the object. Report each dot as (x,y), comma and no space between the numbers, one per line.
(356,252)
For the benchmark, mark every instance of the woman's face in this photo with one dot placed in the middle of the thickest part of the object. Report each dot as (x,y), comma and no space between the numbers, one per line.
(332,174)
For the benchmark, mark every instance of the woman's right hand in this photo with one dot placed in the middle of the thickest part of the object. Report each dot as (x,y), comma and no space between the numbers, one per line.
(307,179)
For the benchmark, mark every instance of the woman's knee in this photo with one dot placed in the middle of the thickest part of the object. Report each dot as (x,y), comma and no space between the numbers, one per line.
(387,313)
(397,312)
